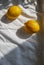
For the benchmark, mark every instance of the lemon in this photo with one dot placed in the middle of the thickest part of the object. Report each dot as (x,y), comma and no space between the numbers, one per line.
(32,26)
(13,12)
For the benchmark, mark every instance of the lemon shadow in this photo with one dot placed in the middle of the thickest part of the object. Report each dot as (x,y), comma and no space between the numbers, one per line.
(5,20)
(22,34)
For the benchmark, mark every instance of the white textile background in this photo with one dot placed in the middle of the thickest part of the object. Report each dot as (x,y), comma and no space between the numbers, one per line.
(16,46)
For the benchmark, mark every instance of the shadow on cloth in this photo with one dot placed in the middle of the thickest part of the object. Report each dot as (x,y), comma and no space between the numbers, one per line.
(5,20)
(23,54)
(40,35)
(5,3)
(40,39)
(23,34)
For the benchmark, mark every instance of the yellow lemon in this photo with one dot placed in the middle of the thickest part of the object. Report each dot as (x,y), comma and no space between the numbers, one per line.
(32,26)
(13,12)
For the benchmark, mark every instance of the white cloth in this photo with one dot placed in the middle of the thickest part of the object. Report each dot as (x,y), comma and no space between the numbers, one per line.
(16,46)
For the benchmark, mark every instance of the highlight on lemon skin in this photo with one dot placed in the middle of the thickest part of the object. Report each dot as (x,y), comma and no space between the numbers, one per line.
(31,26)
(13,12)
